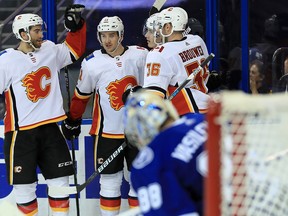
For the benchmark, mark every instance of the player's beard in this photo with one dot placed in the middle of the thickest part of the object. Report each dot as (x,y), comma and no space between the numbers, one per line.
(37,43)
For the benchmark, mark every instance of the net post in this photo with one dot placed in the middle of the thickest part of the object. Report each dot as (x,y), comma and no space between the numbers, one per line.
(212,181)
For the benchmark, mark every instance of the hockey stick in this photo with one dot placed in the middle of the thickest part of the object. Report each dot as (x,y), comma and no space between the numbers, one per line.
(77,189)
(191,76)
(156,7)
(72,142)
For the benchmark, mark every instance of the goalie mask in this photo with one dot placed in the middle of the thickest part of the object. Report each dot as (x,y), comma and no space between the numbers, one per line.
(144,116)
(178,18)
(111,24)
(24,22)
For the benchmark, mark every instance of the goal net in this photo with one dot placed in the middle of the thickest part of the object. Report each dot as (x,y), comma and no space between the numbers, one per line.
(248,155)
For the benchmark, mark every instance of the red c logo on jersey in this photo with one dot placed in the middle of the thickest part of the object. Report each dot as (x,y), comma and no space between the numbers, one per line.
(34,83)
(116,89)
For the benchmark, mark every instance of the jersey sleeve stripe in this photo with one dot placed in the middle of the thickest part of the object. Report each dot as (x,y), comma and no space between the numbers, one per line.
(82,95)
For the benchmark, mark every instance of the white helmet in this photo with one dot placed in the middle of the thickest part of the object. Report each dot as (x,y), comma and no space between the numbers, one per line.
(177,16)
(24,21)
(145,114)
(149,23)
(110,24)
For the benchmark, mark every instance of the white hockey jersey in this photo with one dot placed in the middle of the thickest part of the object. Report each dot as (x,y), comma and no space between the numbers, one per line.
(30,81)
(108,77)
(31,85)
(168,65)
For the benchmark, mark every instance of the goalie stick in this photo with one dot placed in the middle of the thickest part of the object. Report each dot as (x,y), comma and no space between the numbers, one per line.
(53,190)
(191,76)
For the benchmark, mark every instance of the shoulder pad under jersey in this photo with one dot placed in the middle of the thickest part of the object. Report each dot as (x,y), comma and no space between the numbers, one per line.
(2,52)
(89,57)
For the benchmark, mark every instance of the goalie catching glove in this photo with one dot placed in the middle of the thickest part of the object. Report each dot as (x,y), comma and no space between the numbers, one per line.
(71,128)
(73,19)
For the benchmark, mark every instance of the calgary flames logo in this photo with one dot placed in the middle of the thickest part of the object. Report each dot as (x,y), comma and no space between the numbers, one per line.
(34,83)
(116,89)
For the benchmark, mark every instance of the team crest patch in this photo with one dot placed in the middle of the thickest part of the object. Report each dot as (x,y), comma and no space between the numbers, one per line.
(144,158)
(116,88)
(17,169)
(37,84)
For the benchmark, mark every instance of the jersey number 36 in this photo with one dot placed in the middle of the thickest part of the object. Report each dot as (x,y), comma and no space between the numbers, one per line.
(199,79)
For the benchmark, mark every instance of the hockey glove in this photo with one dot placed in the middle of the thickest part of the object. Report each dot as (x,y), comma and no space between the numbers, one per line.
(129,91)
(73,19)
(71,128)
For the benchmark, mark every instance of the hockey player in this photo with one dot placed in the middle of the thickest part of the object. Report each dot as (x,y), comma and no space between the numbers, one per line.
(148,31)
(108,72)
(167,172)
(169,64)
(29,80)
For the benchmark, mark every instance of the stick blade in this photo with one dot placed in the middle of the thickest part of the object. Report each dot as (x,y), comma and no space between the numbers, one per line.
(56,191)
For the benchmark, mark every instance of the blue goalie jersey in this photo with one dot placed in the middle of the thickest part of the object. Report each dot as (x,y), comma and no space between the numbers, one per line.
(168,173)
